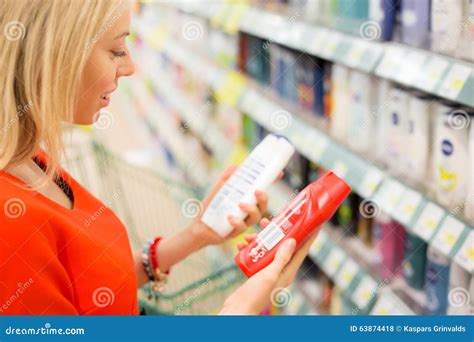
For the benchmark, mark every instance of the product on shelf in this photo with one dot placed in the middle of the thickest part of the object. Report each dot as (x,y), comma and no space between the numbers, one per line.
(258,171)
(419,137)
(414,263)
(284,78)
(436,283)
(340,101)
(306,79)
(396,146)
(383,12)
(382,118)
(361,118)
(346,216)
(460,295)
(389,243)
(450,156)
(415,22)
(257,64)
(446,25)
(304,214)
(295,172)
(365,223)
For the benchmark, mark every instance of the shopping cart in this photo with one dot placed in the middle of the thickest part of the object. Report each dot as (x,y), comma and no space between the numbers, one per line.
(149,203)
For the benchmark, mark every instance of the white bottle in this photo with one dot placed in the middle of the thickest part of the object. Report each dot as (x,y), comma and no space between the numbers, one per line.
(397,131)
(340,109)
(361,116)
(257,172)
(450,158)
(418,139)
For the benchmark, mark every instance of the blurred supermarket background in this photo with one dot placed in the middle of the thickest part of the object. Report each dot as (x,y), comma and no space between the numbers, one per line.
(379,91)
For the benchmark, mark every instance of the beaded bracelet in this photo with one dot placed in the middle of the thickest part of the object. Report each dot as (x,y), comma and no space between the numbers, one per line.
(157,278)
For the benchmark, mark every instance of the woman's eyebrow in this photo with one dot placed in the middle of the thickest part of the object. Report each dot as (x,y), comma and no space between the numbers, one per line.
(124,34)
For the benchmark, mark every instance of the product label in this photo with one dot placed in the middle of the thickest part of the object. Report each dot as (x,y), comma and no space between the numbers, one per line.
(269,237)
(239,184)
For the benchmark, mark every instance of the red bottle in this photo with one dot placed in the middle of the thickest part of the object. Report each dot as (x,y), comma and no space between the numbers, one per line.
(305,213)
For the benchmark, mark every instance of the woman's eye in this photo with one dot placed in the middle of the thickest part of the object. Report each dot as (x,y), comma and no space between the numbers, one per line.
(119,53)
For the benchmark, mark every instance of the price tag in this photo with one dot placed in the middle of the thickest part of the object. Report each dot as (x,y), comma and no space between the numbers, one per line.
(389,66)
(320,146)
(332,43)
(232,24)
(411,67)
(318,44)
(317,245)
(433,71)
(370,183)
(354,57)
(407,206)
(221,15)
(429,220)
(465,255)
(334,261)
(455,80)
(389,195)
(365,292)
(448,235)
(389,304)
(346,275)
(340,168)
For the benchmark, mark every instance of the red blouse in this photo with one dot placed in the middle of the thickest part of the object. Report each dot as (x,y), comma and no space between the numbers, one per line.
(59,261)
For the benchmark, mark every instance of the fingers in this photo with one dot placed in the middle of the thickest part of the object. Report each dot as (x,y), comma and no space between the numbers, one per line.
(250,237)
(262,201)
(254,214)
(264,222)
(239,226)
(283,256)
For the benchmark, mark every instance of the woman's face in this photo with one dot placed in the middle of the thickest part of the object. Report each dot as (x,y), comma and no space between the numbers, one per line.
(109,60)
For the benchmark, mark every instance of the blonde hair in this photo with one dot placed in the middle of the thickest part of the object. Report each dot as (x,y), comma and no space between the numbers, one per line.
(44,46)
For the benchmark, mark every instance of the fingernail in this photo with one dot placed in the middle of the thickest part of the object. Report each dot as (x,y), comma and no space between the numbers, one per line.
(243,206)
(258,192)
(230,218)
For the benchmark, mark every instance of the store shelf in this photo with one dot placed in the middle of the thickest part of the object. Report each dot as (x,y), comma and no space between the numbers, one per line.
(417,212)
(436,74)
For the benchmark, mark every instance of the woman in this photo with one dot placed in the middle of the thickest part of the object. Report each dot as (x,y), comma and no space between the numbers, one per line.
(60,62)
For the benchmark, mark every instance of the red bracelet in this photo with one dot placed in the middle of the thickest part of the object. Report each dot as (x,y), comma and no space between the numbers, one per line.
(153,255)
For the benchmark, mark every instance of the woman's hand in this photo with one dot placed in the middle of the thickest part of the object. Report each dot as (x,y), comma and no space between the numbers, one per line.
(255,294)
(206,236)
